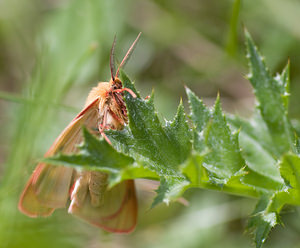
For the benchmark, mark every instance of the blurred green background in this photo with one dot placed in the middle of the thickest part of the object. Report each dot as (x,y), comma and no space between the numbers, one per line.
(53,51)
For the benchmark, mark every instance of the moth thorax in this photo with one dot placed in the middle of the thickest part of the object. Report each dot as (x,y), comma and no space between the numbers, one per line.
(100,91)
(97,187)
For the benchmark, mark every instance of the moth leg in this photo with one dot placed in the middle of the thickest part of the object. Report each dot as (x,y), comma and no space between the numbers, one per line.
(116,117)
(125,89)
(103,126)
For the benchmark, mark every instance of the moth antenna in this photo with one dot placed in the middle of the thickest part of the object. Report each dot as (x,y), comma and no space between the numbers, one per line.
(128,54)
(112,60)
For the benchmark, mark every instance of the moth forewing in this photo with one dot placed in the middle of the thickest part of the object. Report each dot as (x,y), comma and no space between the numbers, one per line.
(51,186)
(30,205)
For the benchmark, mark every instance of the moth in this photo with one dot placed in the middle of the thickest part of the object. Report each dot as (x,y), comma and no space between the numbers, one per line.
(51,187)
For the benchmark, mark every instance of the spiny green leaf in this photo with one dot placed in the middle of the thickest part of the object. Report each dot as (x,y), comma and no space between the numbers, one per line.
(212,133)
(97,154)
(260,183)
(199,177)
(224,158)
(163,147)
(170,189)
(258,151)
(200,114)
(266,215)
(258,159)
(262,221)
(272,101)
(283,80)
(256,129)
(179,134)
(93,154)
(290,171)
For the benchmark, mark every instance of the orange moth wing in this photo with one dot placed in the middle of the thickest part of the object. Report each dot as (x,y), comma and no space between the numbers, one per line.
(48,186)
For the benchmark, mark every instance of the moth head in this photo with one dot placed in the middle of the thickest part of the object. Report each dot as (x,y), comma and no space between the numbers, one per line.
(116,84)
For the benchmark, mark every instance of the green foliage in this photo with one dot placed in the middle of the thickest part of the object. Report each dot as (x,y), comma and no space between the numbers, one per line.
(272,96)
(262,221)
(255,157)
